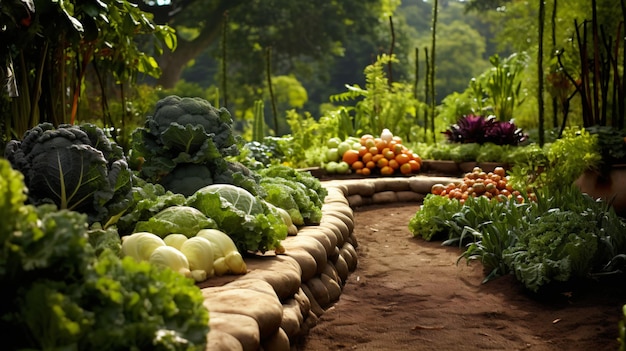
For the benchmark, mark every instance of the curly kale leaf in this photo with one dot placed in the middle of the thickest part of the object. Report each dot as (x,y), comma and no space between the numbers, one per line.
(558,246)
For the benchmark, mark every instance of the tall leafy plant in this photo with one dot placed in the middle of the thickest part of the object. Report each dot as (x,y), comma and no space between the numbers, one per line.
(47,47)
(381,104)
(500,89)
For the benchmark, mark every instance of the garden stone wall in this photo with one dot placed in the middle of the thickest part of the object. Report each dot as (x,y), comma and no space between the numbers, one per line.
(282,296)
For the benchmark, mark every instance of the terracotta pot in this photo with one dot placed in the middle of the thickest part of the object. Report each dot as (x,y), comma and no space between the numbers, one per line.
(609,187)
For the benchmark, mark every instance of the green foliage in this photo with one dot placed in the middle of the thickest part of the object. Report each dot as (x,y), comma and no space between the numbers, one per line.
(301,194)
(381,104)
(487,152)
(74,167)
(44,40)
(502,86)
(558,164)
(270,151)
(58,294)
(564,235)
(429,222)
(176,220)
(308,138)
(184,144)
(247,219)
(148,200)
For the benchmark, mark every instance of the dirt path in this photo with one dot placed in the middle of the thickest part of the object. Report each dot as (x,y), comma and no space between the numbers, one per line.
(408,294)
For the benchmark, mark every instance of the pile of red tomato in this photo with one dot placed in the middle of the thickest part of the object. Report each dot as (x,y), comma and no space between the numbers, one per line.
(493,185)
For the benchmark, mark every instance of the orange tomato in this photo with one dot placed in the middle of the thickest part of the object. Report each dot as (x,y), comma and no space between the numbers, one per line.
(386,170)
(394,164)
(367,157)
(402,158)
(350,156)
(397,139)
(398,149)
(365,171)
(437,189)
(382,162)
(377,157)
(499,171)
(358,165)
(364,138)
(405,168)
(389,154)
(370,164)
(415,165)
(373,150)
(380,144)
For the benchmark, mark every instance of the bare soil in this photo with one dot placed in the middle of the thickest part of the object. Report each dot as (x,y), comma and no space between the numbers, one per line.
(410,294)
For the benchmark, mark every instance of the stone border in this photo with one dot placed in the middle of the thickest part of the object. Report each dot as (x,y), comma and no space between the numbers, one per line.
(282,296)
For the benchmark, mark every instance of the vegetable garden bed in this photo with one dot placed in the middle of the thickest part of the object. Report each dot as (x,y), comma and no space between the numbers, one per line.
(283,296)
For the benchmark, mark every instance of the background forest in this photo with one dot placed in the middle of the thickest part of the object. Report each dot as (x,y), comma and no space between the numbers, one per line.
(109,62)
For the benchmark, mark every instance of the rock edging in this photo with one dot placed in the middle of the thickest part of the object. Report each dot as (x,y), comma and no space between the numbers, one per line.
(282,296)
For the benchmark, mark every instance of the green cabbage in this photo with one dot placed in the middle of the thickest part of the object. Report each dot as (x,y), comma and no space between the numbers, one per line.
(74,167)
(247,219)
(176,219)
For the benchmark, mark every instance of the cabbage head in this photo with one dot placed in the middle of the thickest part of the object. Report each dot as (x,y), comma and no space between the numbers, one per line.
(246,218)
(75,167)
(176,220)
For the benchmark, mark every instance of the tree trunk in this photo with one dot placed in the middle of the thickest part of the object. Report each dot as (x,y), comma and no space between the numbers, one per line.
(172,63)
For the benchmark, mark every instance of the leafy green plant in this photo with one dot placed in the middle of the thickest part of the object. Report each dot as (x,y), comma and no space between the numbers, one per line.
(465,152)
(561,245)
(429,222)
(490,152)
(51,45)
(57,294)
(176,220)
(610,144)
(381,104)
(502,86)
(247,219)
(74,167)
(558,164)
(184,144)
(286,187)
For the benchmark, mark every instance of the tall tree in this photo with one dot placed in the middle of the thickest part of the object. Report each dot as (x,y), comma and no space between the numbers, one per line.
(294,29)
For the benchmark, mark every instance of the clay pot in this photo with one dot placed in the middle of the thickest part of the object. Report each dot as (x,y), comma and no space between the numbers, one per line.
(610,187)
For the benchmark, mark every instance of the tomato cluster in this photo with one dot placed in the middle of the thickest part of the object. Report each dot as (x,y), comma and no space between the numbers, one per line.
(385,156)
(493,185)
